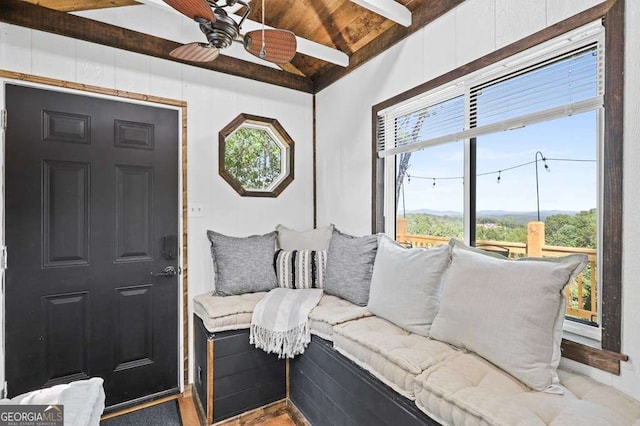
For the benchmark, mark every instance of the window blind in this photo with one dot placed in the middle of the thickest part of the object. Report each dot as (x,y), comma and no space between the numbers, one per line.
(566,84)
(424,124)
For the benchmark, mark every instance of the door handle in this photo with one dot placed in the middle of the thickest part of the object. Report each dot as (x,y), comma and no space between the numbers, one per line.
(169,271)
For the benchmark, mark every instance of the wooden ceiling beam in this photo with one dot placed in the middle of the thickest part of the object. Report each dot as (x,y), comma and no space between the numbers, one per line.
(77,5)
(422,16)
(390,9)
(28,15)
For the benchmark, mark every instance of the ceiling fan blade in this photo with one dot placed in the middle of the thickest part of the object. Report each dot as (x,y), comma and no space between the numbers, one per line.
(193,8)
(195,52)
(279,45)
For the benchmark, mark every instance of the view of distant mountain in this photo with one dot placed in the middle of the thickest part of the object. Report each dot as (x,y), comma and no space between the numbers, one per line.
(435,212)
(494,213)
(498,215)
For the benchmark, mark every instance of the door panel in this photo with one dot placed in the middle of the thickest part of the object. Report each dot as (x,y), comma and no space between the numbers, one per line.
(134,327)
(133,135)
(66,337)
(65,127)
(91,190)
(65,219)
(133,213)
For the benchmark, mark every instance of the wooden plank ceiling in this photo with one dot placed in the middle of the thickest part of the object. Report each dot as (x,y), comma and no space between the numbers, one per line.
(340,24)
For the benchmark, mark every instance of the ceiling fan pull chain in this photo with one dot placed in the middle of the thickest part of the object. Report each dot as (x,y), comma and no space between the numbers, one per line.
(263,49)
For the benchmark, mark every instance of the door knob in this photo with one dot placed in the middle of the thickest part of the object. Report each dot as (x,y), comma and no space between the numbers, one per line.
(169,271)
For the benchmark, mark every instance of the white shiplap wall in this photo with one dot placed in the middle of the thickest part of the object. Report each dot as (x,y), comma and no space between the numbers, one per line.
(213,100)
(629,380)
(472,30)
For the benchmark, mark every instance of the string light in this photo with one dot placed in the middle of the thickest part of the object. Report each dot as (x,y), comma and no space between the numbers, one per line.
(499,172)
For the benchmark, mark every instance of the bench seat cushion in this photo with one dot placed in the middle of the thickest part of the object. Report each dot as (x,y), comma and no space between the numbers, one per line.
(465,389)
(331,311)
(392,354)
(222,313)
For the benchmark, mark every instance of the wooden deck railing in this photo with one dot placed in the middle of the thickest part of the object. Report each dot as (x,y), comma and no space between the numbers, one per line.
(580,294)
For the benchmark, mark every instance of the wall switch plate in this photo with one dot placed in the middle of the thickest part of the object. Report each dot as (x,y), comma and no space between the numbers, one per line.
(195,210)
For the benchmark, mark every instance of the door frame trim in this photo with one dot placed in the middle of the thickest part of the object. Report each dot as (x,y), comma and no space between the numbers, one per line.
(30,80)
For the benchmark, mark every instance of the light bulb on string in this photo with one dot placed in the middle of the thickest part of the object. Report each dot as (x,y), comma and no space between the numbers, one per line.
(498,180)
(434,183)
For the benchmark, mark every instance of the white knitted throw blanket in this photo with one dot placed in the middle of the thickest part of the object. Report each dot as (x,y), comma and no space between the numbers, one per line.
(280,322)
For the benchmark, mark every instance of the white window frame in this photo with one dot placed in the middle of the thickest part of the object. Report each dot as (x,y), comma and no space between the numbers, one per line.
(594,32)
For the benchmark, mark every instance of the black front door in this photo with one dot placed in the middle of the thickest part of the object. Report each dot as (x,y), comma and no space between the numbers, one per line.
(91,214)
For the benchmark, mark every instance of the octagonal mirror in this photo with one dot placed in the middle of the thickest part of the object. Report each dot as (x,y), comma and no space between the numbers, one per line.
(256,156)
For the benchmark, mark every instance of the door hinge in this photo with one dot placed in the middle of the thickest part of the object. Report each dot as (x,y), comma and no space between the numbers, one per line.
(4,262)
(5,390)
(4,119)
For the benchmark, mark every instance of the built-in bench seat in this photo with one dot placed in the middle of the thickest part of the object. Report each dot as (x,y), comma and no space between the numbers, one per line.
(466,389)
(449,385)
(392,354)
(223,313)
(226,313)
(332,311)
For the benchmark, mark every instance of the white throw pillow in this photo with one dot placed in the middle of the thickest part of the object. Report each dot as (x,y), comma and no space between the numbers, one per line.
(509,312)
(406,284)
(314,239)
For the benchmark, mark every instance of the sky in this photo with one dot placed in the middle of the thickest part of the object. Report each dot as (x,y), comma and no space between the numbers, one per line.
(570,186)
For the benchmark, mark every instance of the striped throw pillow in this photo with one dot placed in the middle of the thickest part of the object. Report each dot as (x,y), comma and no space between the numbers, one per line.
(300,268)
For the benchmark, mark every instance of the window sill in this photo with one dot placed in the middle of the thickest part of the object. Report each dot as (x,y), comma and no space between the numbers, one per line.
(582,333)
(601,359)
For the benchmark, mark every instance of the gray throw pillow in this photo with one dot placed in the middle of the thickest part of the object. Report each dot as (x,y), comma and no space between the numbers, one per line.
(242,265)
(509,312)
(406,284)
(350,266)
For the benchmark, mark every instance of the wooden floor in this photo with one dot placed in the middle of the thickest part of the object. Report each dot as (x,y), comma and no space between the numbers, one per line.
(188,412)
(281,420)
(281,413)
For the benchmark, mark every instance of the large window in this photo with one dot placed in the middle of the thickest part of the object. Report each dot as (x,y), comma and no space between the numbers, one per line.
(507,159)
(536,195)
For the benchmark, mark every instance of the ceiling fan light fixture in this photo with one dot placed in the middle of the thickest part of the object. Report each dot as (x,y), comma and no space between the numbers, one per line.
(222,32)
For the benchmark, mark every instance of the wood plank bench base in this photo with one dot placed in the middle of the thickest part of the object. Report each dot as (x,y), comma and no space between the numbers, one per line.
(231,376)
(320,387)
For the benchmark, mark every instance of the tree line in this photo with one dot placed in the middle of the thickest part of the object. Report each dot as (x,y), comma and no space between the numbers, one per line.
(567,230)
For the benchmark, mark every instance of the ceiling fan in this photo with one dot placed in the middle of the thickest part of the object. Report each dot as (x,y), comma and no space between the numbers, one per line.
(273,45)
